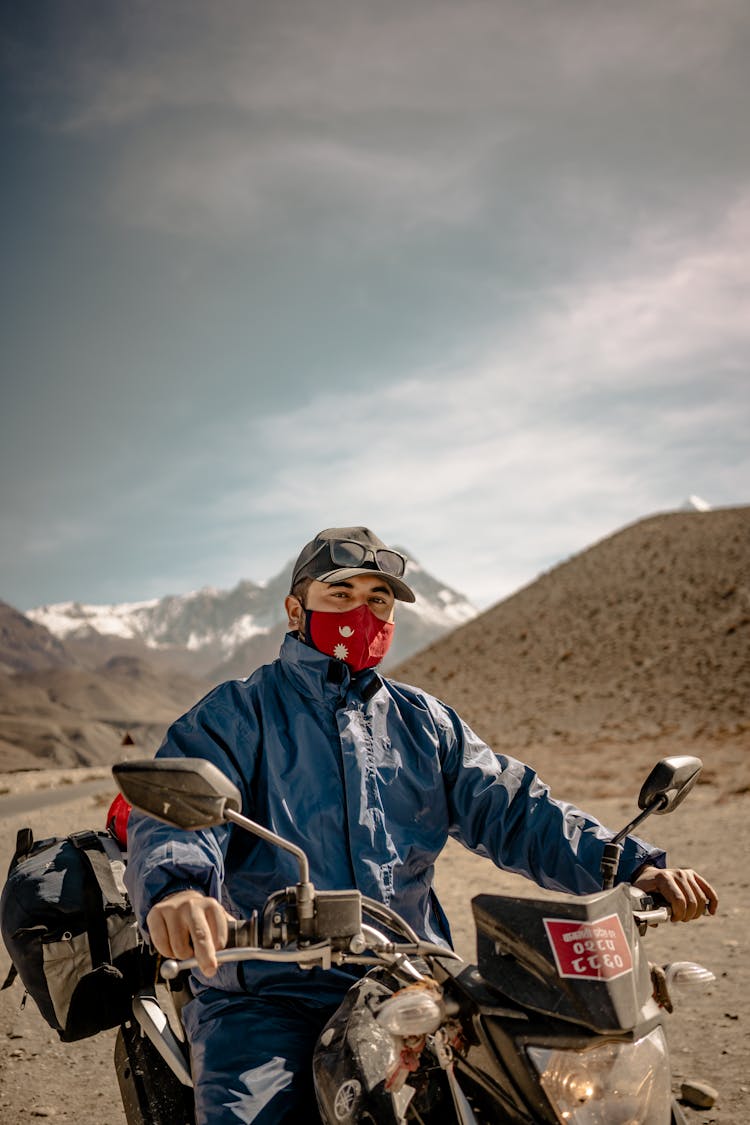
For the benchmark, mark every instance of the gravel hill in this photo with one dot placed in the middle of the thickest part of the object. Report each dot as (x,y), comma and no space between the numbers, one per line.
(642,639)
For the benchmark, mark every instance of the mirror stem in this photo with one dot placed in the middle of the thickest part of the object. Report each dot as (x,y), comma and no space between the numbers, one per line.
(272,838)
(610,863)
(655,804)
(613,850)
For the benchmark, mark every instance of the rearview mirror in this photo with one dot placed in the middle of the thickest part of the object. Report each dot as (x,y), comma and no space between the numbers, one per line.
(669,783)
(189,793)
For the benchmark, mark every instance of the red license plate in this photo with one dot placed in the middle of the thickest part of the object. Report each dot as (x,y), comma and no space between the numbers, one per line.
(589,950)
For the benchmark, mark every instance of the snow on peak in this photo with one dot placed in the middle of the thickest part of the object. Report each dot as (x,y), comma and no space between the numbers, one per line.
(696,504)
(70,618)
(224,620)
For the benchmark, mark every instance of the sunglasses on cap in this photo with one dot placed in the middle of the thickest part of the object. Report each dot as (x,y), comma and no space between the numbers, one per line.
(348,553)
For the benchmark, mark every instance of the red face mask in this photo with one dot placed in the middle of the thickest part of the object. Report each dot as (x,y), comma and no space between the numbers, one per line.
(357,637)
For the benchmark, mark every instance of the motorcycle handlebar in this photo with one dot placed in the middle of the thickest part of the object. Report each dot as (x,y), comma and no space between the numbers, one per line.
(659,911)
(651,909)
(242,942)
(653,916)
(319,954)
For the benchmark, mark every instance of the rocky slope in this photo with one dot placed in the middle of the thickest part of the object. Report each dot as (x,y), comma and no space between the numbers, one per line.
(69,715)
(642,638)
(27,646)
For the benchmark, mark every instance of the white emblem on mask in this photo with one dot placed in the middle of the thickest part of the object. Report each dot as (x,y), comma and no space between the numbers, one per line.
(346,631)
(340,652)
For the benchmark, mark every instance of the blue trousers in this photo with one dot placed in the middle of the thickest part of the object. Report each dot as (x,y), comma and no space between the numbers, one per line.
(252,1056)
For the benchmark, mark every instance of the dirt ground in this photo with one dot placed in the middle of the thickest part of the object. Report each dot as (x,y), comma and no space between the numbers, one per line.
(708,1033)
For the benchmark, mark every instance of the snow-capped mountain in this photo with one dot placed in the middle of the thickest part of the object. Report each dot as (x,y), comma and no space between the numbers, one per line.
(223,633)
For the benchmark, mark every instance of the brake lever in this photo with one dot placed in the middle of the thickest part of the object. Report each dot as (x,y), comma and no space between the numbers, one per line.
(311,957)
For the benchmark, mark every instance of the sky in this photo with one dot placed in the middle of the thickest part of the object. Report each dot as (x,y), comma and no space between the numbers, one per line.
(473,274)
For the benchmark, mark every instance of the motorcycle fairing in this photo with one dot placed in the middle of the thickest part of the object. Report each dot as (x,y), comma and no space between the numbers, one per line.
(354,1048)
(355,1053)
(516,958)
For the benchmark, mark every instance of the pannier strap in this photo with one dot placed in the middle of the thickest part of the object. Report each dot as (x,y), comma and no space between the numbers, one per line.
(24,844)
(92,851)
(99,884)
(12,974)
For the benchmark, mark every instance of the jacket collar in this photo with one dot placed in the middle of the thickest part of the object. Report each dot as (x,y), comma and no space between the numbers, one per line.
(322,677)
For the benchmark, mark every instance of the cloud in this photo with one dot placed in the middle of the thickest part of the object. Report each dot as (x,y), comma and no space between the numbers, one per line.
(513,236)
(685,303)
(117,65)
(607,409)
(223,184)
(227,116)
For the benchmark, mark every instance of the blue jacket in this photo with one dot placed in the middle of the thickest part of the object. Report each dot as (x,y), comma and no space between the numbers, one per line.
(369,777)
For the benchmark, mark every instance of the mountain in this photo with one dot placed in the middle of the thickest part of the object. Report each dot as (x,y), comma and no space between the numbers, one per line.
(28,646)
(221,634)
(78,677)
(643,639)
(67,715)
(636,647)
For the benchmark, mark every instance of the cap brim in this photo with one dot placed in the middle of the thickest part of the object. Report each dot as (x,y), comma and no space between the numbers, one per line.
(400,589)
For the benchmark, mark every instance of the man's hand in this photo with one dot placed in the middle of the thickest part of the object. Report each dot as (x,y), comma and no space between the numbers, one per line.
(687,892)
(187,924)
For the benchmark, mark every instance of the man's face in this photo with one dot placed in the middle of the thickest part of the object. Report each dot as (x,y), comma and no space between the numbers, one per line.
(338,597)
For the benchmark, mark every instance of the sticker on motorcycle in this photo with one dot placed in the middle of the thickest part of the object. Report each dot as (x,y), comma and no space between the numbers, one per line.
(589,950)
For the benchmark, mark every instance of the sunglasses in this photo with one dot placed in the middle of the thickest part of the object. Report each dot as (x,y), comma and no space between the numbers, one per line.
(349,553)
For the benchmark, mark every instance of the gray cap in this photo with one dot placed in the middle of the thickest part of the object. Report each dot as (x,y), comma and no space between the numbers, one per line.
(316,559)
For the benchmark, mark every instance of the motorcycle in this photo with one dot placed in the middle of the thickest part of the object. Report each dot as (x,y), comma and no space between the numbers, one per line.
(560,1020)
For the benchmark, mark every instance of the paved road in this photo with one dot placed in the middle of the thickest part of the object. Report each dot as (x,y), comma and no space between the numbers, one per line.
(13,804)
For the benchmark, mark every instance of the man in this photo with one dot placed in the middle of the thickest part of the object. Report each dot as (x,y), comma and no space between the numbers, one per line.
(369,777)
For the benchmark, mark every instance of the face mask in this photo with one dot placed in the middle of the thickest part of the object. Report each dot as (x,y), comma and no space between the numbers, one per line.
(357,637)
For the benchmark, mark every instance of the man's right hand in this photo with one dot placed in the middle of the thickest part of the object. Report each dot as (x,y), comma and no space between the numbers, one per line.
(187,924)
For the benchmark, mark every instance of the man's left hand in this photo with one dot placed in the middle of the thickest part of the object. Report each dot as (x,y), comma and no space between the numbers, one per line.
(687,892)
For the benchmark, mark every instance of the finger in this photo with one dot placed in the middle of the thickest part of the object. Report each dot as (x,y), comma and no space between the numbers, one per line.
(159,933)
(672,892)
(712,899)
(694,900)
(705,896)
(178,926)
(202,938)
(218,921)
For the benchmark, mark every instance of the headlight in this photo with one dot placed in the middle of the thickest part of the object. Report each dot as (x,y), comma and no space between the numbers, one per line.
(613,1084)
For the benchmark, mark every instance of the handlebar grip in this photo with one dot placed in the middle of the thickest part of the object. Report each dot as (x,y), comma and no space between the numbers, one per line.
(242,931)
(661,903)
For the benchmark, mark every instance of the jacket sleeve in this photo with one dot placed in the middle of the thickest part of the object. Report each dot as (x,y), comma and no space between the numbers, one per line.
(162,859)
(498,807)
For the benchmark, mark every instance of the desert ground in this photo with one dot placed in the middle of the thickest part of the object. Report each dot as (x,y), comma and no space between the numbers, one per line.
(708,1032)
